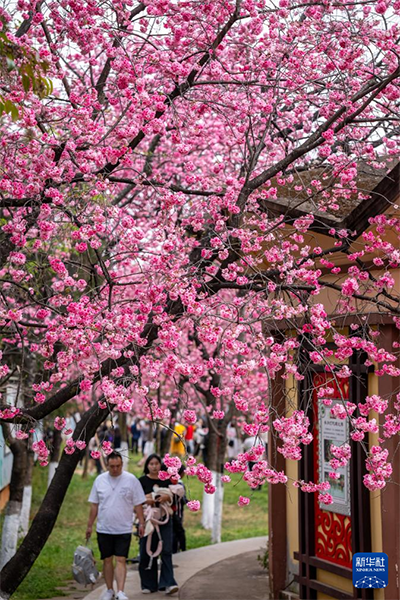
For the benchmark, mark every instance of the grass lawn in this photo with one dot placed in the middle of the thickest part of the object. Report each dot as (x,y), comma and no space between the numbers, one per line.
(53,567)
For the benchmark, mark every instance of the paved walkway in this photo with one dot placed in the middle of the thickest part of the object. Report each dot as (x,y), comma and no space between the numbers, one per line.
(227,571)
(240,577)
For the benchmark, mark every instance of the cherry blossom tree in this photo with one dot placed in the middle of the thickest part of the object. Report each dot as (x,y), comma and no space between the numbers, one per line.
(216,374)
(165,169)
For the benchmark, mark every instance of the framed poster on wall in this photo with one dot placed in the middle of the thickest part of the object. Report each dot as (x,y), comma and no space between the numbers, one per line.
(333,431)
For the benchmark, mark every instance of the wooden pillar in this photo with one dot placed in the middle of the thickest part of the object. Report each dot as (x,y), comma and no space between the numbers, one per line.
(360,497)
(307,571)
(388,387)
(277,541)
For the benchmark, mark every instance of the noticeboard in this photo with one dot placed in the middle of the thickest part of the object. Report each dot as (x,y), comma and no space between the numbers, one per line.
(333,430)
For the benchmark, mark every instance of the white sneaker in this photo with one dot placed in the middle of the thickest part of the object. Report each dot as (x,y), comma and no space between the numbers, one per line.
(121,596)
(172,589)
(146,591)
(107,595)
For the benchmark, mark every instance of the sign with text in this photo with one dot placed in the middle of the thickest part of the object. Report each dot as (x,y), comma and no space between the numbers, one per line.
(370,570)
(333,431)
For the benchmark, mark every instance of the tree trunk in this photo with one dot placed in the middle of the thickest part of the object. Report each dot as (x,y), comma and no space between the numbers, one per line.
(9,538)
(124,448)
(85,463)
(165,444)
(159,428)
(208,506)
(54,456)
(123,428)
(15,571)
(218,506)
(158,439)
(213,503)
(27,497)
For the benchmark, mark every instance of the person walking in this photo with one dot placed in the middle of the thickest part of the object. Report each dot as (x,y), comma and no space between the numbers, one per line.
(144,433)
(177,447)
(178,530)
(234,444)
(189,434)
(201,440)
(158,534)
(114,496)
(135,436)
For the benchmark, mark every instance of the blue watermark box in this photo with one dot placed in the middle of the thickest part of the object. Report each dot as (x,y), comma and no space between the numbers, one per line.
(370,570)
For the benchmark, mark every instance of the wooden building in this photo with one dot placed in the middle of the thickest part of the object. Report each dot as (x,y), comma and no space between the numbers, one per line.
(311,546)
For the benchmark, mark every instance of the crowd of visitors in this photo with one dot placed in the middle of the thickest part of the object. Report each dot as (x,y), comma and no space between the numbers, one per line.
(141,438)
(115,497)
(158,504)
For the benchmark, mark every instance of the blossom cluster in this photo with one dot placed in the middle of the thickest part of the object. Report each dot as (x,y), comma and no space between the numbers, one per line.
(149,262)
(42,452)
(293,431)
(379,470)
(342,455)
(322,488)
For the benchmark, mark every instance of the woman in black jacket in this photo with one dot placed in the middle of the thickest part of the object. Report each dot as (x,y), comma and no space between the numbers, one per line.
(148,564)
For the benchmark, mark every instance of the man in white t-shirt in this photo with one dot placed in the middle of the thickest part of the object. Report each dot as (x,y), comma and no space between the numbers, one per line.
(114,497)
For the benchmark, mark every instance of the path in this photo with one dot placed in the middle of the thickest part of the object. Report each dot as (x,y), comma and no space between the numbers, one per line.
(240,577)
(227,571)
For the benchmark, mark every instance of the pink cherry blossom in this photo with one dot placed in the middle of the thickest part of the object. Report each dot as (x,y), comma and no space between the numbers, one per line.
(218,414)
(152,265)
(59,423)
(106,448)
(243,501)
(190,416)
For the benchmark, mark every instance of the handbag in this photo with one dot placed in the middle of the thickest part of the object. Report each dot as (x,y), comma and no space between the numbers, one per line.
(84,569)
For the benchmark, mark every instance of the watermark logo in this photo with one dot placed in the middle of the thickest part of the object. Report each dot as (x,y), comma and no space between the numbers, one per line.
(370,570)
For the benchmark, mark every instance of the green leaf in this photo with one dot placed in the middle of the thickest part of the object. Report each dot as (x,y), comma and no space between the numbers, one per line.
(26,83)
(8,106)
(29,71)
(10,64)
(44,66)
(14,113)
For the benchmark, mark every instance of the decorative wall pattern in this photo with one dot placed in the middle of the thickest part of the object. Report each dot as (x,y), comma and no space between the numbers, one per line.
(333,531)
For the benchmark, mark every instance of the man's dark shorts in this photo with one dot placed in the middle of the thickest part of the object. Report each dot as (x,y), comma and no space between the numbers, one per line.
(113,545)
